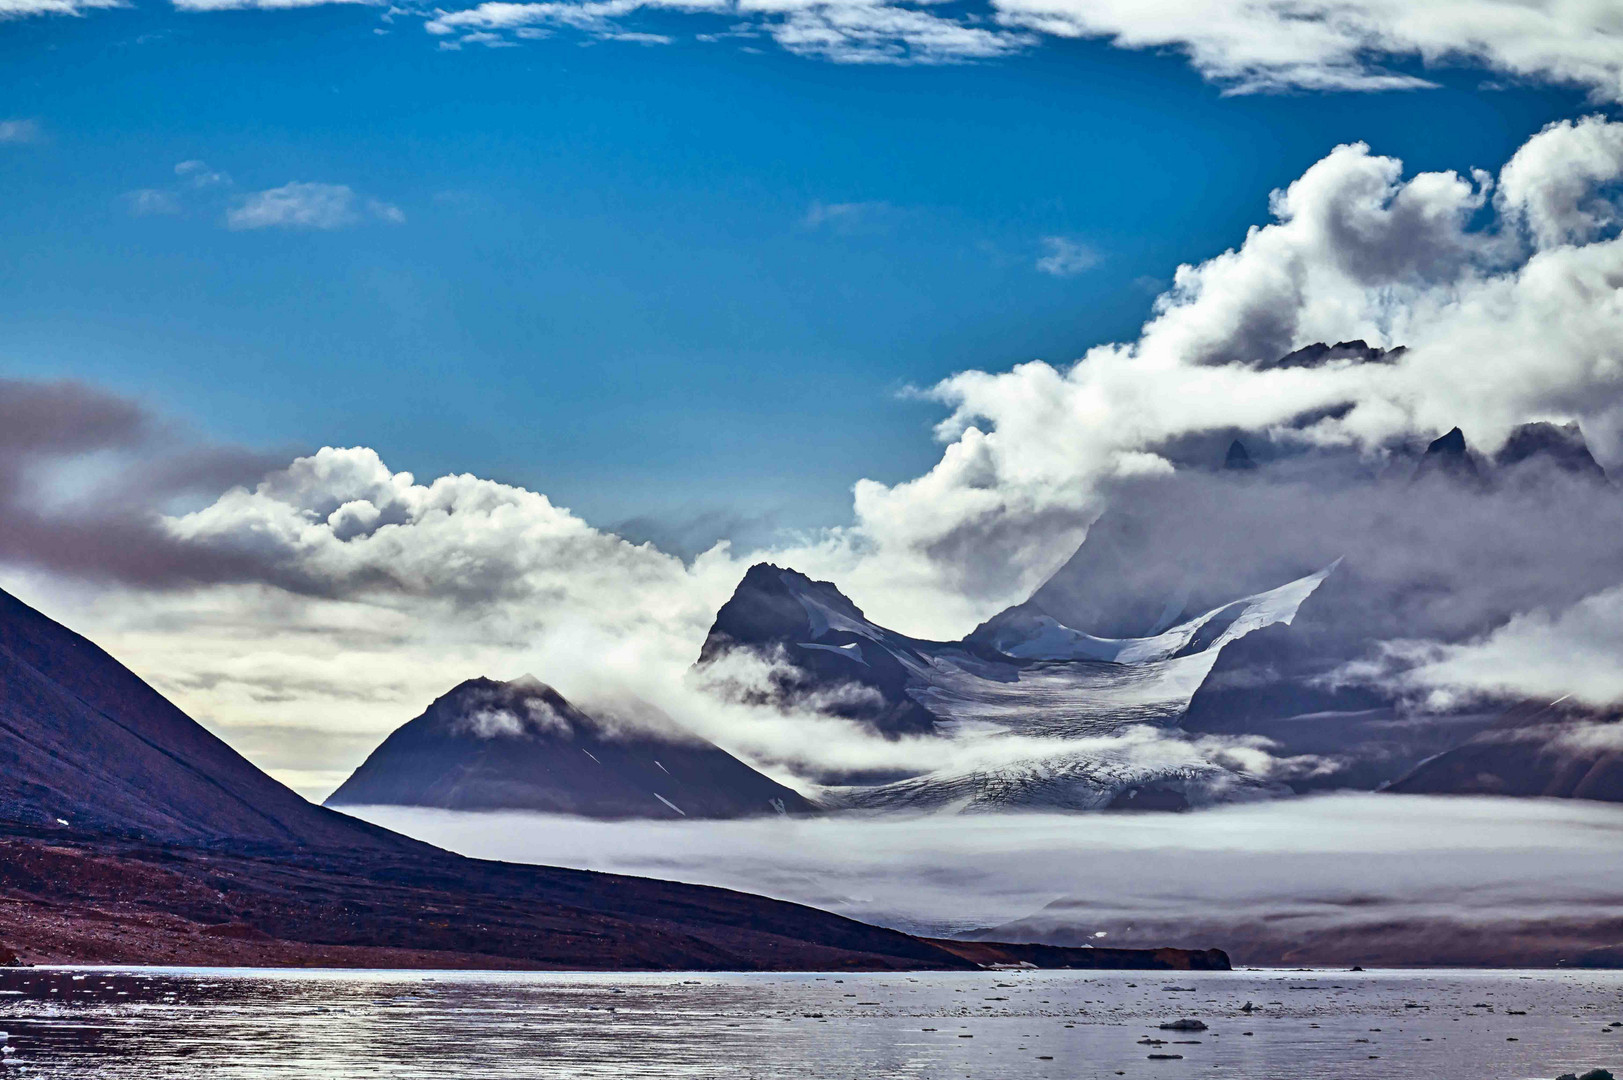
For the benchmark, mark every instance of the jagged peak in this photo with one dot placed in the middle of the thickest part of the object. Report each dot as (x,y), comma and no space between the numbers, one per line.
(1238,457)
(1321,353)
(1449,455)
(771,578)
(775,604)
(1562,445)
(1452,443)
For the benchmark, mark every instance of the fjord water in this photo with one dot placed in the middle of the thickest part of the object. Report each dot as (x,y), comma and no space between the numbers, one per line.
(337,1025)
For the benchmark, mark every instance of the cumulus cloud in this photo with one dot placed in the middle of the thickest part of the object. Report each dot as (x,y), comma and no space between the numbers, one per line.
(1556,184)
(299,205)
(199,174)
(1500,326)
(152,202)
(313,579)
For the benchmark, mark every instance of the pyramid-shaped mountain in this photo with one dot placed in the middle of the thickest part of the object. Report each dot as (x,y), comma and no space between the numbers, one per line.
(520,745)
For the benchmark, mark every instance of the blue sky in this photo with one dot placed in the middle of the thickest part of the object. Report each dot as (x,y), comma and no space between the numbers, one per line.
(669,281)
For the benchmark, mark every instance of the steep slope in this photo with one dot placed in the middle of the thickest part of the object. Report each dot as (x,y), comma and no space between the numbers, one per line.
(817,633)
(129,834)
(1282,683)
(1560,445)
(1550,750)
(85,743)
(490,745)
(1038,709)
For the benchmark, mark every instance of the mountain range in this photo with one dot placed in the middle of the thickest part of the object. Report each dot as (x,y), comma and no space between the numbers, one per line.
(129,834)
(1107,688)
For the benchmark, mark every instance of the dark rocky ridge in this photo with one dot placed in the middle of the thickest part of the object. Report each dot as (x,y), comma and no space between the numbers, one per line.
(1448,456)
(1319,354)
(771,614)
(1279,682)
(1561,445)
(1536,749)
(1238,457)
(520,745)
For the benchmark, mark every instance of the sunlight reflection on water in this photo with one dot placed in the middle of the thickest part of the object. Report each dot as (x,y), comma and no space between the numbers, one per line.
(336,1025)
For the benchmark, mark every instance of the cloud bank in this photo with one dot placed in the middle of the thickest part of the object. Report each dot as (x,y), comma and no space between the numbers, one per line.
(1372,867)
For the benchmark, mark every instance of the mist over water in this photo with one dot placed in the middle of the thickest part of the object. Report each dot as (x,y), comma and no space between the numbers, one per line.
(1344,858)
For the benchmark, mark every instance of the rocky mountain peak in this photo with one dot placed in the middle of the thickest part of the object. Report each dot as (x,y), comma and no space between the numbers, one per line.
(1561,445)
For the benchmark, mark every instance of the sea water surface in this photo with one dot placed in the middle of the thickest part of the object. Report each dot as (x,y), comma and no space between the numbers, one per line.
(224,1024)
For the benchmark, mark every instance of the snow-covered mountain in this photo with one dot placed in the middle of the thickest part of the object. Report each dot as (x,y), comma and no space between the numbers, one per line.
(1169,639)
(1045,715)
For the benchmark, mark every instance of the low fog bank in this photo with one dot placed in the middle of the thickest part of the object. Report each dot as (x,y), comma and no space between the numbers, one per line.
(1336,878)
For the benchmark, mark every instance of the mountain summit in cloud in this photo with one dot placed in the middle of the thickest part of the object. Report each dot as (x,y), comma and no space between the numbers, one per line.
(1024,713)
(520,745)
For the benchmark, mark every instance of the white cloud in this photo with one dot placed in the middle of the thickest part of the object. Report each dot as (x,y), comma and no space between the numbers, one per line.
(1264,45)
(18,131)
(1066,257)
(1539,654)
(1555,182)
(844,31)
(19,9)
(261,5)
(1501,329)
(152,202)
(309,206)
(1245,45)
(198,174)
(845,217)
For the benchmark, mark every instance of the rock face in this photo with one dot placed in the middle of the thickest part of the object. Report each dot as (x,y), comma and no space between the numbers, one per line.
(1561,445)
(1319,354)
(1280,683)
(1538,749)
(1448,456)
(780,615)
(1238,457)
(85,744)
(519,745)
(1023,674)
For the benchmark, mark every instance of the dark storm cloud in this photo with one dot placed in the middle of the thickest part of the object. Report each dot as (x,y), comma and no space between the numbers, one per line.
(84,476)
